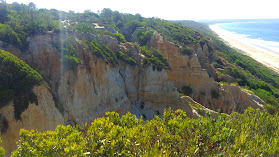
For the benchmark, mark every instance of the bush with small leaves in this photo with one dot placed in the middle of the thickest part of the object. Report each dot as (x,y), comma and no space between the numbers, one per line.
(154,57)
(101,50)
(144,36)
(122,56)
(120,37)
(2,150)
(214,93)
(70,58)
(187,90)
(252,133)
(186,50)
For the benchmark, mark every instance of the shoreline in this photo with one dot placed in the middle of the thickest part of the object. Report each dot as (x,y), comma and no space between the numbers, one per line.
(265,56)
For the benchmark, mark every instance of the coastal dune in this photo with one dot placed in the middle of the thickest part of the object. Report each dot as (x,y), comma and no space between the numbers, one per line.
(262,55)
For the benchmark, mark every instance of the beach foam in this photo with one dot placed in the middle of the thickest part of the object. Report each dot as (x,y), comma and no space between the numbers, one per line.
(266,52)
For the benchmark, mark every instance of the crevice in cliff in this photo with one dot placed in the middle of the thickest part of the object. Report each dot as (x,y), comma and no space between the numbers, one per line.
(4,125)
(123,78)
(58,104)
(86,58)
(140,78)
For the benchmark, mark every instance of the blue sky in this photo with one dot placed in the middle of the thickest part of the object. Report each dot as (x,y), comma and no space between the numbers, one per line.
(171,10)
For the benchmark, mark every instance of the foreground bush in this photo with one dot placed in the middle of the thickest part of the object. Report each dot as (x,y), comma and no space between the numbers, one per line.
(254,133)
(2,150)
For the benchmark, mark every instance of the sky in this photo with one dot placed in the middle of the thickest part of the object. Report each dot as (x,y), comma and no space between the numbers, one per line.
(170,9)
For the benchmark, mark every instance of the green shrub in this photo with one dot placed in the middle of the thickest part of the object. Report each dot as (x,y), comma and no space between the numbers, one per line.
(65,141)
(153,57)
(84,28)
(186,50)
(2,150)
(130,27)
(144,36)
(271,109)
(101,50)
(250,73)
(267,96)
(8,35)
(203,93)
(180,94)
(131,61)
(216,65)
(214,93)
(120,37)
(71,62)
(16,80)
(122,56)
(253,133)
(70,58)
(198,108)
(175,32)
(21,21)
(187,90)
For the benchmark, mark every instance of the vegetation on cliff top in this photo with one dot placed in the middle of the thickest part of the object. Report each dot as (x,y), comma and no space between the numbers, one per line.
(19,21)
(144,36)
(254,133)
(16,80)
(101,50)
(120,37)
(70,58)
(125,58)
(153,57)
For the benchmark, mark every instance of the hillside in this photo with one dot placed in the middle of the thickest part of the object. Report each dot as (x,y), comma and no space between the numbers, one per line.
(250,74)
(66,68)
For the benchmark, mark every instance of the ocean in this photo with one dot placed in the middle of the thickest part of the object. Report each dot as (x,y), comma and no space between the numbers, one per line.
(260,33)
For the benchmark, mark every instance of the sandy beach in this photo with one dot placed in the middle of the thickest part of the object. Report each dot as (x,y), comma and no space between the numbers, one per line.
(262,55)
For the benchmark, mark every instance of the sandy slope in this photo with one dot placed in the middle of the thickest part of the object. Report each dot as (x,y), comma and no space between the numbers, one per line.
(264,56)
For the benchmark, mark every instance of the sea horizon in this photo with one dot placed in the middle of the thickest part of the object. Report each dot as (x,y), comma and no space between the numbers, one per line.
(260,33)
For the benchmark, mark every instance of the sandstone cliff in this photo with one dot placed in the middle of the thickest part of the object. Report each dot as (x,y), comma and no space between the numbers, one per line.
(96,87)
(186,70)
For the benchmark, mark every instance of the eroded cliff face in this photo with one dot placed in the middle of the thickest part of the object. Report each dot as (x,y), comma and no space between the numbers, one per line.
(96,87)
(186,70)
(91,91)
